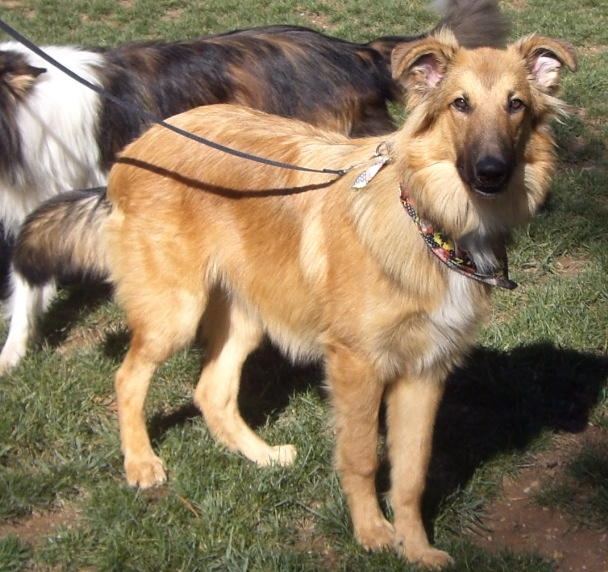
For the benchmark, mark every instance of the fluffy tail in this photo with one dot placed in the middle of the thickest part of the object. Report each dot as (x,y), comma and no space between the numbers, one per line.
(61,239)
(474,23)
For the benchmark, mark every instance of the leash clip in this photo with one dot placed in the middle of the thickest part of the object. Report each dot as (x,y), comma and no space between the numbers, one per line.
(382,157)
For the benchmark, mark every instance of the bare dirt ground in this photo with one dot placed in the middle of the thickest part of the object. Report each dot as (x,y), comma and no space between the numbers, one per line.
(39,526)
(517,522)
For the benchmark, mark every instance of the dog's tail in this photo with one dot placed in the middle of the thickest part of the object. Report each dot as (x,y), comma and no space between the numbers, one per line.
(60,240)
(475,23)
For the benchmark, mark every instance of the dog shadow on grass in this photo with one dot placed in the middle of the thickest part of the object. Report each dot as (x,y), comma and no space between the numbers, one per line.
(499,402)
(76,301)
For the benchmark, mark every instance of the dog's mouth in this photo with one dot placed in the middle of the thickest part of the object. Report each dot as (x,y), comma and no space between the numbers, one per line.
(489,189)
(486,191)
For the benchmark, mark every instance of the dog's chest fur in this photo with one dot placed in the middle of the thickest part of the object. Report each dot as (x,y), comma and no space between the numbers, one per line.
(424,319)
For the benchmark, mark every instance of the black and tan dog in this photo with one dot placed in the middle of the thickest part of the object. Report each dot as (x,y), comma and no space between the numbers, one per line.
(384,273)
(57,135)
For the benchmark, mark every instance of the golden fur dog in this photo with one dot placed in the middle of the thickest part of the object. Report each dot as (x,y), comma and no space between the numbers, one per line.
(328,271)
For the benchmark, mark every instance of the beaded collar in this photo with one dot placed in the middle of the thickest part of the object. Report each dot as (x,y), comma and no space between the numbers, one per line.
(441,246)
(453,257)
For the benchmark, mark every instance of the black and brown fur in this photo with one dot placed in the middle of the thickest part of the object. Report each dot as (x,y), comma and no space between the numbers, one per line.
(286,70)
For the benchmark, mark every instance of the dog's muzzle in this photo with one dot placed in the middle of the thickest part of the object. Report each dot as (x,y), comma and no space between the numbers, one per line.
(490,175)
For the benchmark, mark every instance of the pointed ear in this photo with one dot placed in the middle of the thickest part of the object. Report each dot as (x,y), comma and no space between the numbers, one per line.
(545,58)
(419,66)
(21,79)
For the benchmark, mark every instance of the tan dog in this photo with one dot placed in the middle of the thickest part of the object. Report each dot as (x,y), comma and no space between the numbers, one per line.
(332,272)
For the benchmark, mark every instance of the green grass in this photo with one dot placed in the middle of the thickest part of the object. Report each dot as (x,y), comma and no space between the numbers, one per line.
(540,367)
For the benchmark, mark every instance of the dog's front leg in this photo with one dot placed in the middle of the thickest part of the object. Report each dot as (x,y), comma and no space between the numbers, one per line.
(357,394)
(412,406)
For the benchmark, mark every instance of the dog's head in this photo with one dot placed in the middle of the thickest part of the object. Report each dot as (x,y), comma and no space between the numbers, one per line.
(478,125)
(17,76)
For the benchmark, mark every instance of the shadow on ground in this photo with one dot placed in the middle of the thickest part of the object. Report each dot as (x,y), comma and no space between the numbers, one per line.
(498,403)
(501,401)
(77,300)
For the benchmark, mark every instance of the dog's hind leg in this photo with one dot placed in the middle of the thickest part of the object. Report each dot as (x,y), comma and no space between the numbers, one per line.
(356,395)
(412,406)
(26,304)
(159,328)
(142,466)
(231,335)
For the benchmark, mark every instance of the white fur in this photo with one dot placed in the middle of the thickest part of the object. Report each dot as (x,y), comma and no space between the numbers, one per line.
(458,313)
(25,305)
(58,121)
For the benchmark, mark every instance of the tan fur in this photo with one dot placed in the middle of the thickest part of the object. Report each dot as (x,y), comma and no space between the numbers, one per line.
(327,271)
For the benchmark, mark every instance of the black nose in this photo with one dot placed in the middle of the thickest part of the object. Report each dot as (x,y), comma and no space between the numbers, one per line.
(491,173)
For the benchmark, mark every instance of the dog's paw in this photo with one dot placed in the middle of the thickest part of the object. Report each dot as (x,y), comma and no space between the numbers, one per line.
(145,473)
(9,358)
(430,558)
(377,534)
(281,455)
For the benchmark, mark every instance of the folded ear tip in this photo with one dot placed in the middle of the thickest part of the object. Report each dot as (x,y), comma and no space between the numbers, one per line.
(568,54)
(561,50)
(425,57)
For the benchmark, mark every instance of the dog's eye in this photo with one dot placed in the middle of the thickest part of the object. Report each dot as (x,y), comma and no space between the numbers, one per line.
(461,104)
(516,105)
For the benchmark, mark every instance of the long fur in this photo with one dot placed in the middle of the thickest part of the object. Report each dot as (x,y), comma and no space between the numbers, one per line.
(55,135)
(196,236)
(80,211)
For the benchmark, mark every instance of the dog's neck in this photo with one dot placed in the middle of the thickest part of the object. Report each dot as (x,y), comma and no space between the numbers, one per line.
(457,258)
(485,263)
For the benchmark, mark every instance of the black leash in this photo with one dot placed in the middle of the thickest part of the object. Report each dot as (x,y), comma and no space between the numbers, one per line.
(152,118)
